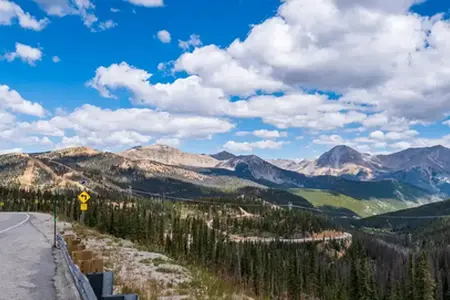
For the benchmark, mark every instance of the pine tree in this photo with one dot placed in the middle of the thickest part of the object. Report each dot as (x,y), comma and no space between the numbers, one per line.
(411,287)
(424,282)
(354,280)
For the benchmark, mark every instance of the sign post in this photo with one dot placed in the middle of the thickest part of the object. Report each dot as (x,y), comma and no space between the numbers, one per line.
(84,198)
(54,221)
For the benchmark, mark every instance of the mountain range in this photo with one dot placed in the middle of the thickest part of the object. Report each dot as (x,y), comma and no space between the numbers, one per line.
(414,175)
(427,168)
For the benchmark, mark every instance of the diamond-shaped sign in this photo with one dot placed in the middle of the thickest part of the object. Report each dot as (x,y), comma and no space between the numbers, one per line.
(84,197)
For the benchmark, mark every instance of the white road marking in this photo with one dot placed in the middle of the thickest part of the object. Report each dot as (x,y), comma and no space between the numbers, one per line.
(17,225)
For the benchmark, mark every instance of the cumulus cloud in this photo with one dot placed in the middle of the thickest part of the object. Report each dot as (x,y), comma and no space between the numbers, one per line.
(220,70)
(193,41)
(193,94)
(186,95)
(376,50)
(103,128)
(297,110)
(11,99)
(94,126)
(10,11)
(164,36)
(56,59)
(248,146)
(26,53)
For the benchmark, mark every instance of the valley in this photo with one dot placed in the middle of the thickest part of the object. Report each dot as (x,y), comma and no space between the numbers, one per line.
(260,230)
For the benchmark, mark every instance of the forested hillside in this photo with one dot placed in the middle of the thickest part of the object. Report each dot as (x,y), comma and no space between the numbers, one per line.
(366,268)
(408,219)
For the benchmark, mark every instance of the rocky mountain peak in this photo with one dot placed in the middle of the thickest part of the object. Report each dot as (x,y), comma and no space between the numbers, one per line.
(340,155)
(223,155)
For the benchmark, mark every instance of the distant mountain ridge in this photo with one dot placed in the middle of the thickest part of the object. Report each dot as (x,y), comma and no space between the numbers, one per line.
(160,168)
(427,168)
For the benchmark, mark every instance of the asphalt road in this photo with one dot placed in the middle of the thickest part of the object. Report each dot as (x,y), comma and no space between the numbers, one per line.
(27,266)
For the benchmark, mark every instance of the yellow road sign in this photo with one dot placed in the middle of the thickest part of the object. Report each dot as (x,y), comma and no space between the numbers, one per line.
(83,206)
(84,197)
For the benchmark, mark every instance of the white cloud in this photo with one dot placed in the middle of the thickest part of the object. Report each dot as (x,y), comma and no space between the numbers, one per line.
(56,59)
(194,95)
(248,147)
(93,126)
(220,70)
(376,51)
(103,127)
(333,139)
(169,142)
(11,99)
(243,133)
(297,110)
(108,24)
(263,133)
(114,10)
(10,11)
(164,36)
(269,134)
(378,135)
(194,41)
(60,8)
(147,3)
(98,139)
(26,53)
(446,123)
(187,95)
(398,135)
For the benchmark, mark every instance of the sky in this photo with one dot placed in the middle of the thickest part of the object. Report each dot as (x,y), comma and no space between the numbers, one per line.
(279,79)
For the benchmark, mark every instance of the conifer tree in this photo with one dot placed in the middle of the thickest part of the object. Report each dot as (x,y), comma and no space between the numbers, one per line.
(424,282)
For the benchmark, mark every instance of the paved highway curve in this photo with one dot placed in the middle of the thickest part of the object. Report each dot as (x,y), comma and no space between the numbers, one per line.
(27,265)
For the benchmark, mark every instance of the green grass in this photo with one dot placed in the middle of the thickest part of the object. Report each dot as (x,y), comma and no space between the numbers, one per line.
(363,208)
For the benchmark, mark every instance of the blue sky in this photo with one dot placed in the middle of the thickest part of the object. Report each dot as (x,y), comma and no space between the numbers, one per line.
(286,79)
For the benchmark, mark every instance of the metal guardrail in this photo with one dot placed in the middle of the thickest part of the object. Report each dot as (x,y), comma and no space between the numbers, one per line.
(81,281)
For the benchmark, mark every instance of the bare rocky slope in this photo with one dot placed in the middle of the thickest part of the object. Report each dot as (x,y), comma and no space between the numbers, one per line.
(65,169)
(169,156)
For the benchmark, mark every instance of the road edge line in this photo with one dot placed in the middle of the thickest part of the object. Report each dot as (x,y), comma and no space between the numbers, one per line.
(17,225)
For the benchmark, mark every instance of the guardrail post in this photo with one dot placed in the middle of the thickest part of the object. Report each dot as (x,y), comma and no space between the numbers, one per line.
(102,283)
(91,286)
